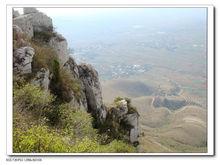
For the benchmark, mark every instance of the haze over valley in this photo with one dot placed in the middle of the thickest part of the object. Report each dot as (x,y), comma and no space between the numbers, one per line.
(156,57)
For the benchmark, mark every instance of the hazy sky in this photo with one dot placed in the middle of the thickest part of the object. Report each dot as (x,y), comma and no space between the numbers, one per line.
(86,23)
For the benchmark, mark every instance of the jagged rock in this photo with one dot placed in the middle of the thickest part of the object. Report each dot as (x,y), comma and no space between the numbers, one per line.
(18,37)
(72,67)
(132,121)
(22,59)
(28,10)
(25,24)
(92,87)
(42,79)
(15,13)
(59,43)
(33,21)
(123,107)
(120,120)
(40,22)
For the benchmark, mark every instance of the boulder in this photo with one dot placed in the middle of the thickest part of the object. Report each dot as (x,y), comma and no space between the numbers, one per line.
(42,79)
(22,59)
(92,88)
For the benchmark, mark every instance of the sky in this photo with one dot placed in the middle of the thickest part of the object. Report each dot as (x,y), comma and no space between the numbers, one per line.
(88,23)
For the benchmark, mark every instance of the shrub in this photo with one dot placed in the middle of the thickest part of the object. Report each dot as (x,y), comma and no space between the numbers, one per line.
(118,146)
(87,145)
(44,56)
(117,99)
(69,83)
(43,36)
(63,84)
(75,123)
(38,139)
(32,98)
(18,81)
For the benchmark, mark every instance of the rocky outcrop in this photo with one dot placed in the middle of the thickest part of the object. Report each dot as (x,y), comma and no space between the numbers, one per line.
(123,123)
(59,44)
(92,88)
(22,59)
(62,75)
(132,120)
(15,13)
(29,10)
(42,79)
(33,21)
(71,66)
(24,23)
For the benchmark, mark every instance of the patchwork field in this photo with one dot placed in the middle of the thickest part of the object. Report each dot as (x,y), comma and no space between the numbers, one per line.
(177,123)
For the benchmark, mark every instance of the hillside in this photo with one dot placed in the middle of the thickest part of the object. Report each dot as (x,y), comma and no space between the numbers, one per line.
(57,103)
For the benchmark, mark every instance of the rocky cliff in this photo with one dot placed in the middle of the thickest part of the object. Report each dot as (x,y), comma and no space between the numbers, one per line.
(41,54)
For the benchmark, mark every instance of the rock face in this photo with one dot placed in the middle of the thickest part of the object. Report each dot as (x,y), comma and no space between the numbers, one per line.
(72,68)
(42,79)
(28,10)
(22,59)
(59,43)
(25,24)
(15,13)
(123,123)
(120,119)
(89,76)
(33,21)
(132,121)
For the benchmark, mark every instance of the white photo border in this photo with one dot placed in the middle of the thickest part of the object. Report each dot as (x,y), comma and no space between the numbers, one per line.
(210,80)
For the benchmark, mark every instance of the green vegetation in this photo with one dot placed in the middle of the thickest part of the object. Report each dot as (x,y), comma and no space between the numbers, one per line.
(44,56)
(32,98)
(131,109)
(44,35)
(42,126)
(45,121)
(63,85)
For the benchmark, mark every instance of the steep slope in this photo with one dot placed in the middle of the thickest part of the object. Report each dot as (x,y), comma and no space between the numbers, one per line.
(64,92)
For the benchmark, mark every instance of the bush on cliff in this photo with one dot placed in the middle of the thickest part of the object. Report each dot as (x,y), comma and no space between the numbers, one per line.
(75,123)
(44,56)
(32,98)
(63,84)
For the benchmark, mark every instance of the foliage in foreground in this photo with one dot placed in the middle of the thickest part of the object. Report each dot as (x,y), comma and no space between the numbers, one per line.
(34,129)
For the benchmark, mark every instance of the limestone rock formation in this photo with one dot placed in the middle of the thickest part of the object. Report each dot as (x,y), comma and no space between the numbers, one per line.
(33,21)
(24,23)
(22,59)
(89,76)
(72,67)
(28,10)
(122,120)
(59,43)
(133,121)
(15,13)
(42,79)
